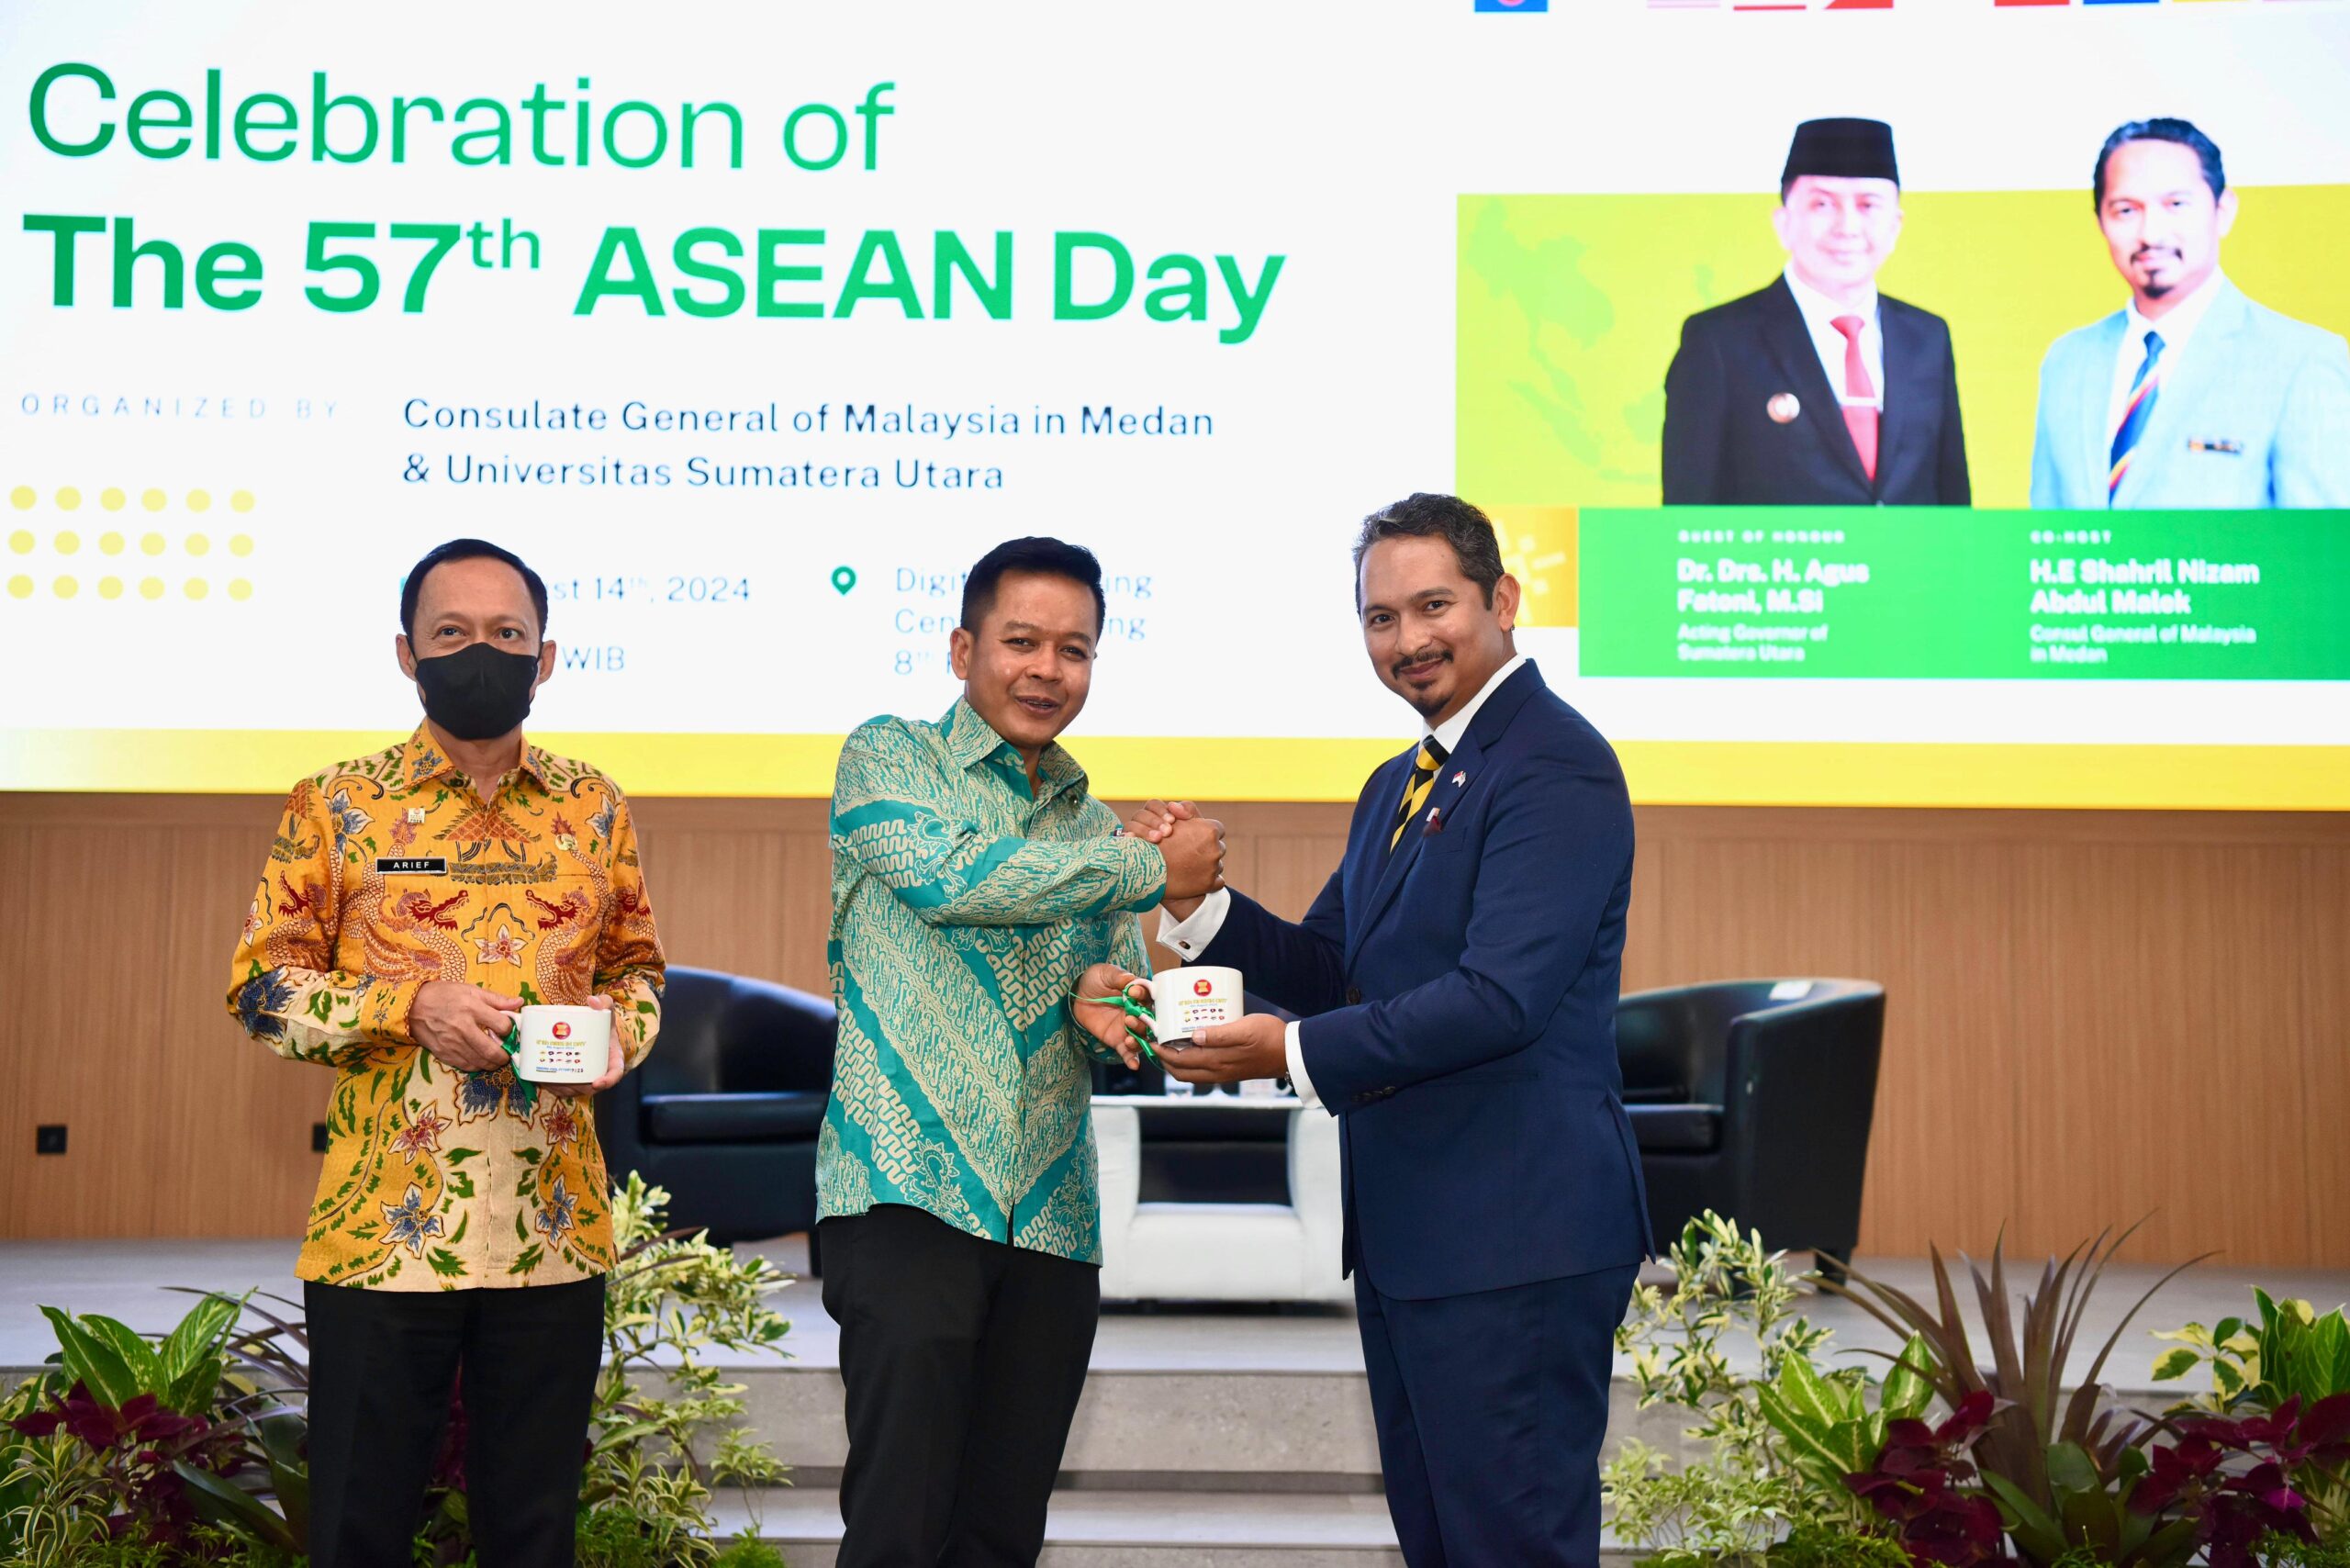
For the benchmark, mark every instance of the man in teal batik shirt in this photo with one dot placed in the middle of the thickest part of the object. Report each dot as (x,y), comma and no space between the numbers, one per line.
(978,888)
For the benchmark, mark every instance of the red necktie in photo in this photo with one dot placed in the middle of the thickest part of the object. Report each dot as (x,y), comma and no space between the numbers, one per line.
(1859,395)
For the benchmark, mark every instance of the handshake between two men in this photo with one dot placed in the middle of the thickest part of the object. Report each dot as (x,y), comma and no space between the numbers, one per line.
(1251,1046)
(1454,982)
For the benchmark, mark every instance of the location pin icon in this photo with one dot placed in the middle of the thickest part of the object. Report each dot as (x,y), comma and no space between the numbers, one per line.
(844,579)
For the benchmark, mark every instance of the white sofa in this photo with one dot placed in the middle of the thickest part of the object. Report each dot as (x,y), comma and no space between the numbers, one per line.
(1220,1252)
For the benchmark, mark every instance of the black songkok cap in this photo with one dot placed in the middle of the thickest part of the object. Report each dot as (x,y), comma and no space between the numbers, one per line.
(1841,148)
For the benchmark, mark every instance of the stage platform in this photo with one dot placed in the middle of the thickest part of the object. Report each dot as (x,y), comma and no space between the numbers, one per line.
(1208,1437)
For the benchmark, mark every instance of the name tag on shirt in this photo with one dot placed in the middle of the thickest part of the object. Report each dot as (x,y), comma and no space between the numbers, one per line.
(411,865)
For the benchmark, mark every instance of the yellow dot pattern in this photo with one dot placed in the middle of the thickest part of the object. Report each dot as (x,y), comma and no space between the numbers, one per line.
(67,542)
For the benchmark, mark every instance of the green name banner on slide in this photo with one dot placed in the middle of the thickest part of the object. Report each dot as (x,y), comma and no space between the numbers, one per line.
(1891,593)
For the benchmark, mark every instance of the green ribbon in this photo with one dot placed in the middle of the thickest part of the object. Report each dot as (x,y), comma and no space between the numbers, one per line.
(526,1094)
(1132,1010)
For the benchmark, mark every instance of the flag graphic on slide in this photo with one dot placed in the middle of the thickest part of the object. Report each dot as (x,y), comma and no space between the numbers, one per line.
(1770,5)
(1512,5)
(2003,5)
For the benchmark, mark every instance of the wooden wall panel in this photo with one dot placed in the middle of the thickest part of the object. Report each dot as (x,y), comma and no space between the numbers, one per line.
(2091,1015)
(113,965)
(2323,938)
(1945,1149)
(2163,993)
(745,888)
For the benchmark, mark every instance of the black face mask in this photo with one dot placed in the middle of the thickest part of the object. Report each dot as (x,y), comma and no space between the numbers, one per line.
(479,692)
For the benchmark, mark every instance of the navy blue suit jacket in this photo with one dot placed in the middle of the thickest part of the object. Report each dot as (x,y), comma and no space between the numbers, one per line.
(1459,999)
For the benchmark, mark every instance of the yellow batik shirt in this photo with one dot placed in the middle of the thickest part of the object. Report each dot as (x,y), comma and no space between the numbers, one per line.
(391,871)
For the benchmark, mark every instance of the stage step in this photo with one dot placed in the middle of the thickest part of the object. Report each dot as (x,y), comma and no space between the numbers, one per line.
(1163,1430)
(1090,1529)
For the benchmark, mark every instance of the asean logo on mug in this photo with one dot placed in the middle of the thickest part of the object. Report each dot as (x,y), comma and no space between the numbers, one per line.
(1201,988)
(562,1030)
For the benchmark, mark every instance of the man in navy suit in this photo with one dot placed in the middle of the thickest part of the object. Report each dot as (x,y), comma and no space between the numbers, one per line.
(1456,982)
(1818,390)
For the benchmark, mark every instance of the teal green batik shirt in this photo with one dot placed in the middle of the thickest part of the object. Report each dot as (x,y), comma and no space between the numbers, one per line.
(965,908)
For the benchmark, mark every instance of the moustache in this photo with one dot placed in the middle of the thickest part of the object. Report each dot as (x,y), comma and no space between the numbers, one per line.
(1440,655)
(2146,252)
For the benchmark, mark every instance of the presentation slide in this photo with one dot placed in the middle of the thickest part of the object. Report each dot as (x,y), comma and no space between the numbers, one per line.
(1800,352)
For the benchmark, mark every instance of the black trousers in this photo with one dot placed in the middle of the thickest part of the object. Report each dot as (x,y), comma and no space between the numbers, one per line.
(962,1359)
(382,1367)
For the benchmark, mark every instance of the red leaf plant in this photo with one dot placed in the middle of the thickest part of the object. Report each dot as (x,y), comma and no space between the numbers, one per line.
(1924,1483)
(140,1442)
(2234,1477)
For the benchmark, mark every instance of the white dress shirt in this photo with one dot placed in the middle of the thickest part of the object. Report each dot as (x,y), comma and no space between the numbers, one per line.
(2178,325)
(1190,937)
(1819,313)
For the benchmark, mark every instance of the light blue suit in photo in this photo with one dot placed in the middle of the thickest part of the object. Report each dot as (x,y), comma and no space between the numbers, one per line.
(2257,415)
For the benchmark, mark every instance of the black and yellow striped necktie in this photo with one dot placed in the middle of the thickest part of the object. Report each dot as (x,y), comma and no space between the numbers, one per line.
(1415,791)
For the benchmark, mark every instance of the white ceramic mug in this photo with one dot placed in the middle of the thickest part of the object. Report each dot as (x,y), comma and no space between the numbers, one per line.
(1192,998)
(564,1044)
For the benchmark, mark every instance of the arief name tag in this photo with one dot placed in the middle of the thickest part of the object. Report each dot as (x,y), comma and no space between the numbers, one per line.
(411,865)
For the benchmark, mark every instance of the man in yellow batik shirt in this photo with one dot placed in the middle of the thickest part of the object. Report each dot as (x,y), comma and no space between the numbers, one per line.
(414,901)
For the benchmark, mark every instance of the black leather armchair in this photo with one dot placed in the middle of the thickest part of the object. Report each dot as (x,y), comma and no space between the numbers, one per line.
(724,1111)
(1753,1098)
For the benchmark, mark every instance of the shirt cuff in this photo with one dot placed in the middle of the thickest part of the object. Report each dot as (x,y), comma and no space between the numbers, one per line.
(1191,936)
(1153,863)
(383,1012)
(632,1030)
(1297,1078)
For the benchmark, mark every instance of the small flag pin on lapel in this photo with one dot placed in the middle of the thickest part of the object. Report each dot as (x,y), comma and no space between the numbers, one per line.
(1458,780)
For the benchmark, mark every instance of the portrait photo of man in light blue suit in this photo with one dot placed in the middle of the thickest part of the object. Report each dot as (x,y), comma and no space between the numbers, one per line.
(2192,395)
